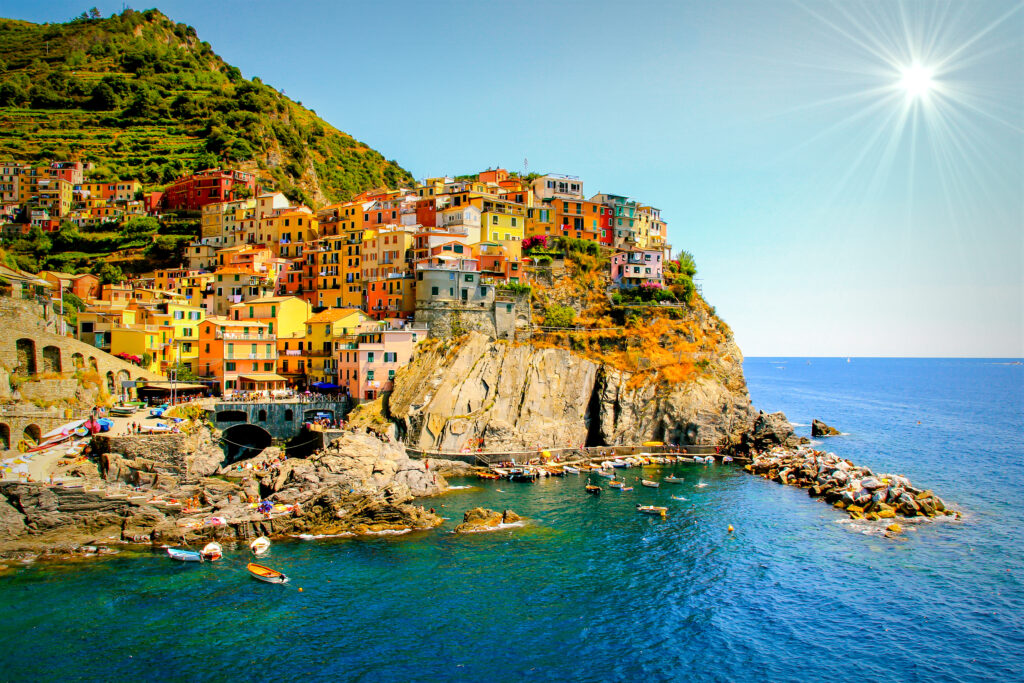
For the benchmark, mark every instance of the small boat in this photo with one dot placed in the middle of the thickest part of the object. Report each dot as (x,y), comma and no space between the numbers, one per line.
(619,463)
(570,469)
(674,480)
(606,475)
(185,555)
(615,484)
(122,411)
(105,424)
(593,489)
(650,484)
(158,412)
(488,475)
(260,545)
(678,498)
(651,510)
(726,458)
(626,488)
(265,574)
(212,552)
(522,475)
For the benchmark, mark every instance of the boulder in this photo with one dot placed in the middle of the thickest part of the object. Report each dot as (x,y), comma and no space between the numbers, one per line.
(12,524)
(819,428)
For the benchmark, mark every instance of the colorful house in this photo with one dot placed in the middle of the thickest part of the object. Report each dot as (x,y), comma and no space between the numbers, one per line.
(635,267)
(240,355)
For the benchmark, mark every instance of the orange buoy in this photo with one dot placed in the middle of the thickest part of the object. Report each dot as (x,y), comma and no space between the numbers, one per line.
(730,530)
(300,590)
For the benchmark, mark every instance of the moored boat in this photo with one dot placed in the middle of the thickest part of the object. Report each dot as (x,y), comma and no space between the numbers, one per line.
(570,469)
(593,489)
(184,555)
(212,551)
(726,458)
(651,510)
(615,484)
(606,475)
(260,545)
(265,574)
(674,480)
(650,484)
(626,488)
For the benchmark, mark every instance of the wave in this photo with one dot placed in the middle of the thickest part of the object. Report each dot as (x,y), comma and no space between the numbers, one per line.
(798,424)
(316,537)
(458,488)
(388,532)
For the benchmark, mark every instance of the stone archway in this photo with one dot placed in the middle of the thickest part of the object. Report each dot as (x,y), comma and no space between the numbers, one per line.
(51,359)
(5,437)
(262,416)
(78,360)
(242,441)
(232,416)
(110,382)
(26,356)
(93,365)
(289,415)
(32,433)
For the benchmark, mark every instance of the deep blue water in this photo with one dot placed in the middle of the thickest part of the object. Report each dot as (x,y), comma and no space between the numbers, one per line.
(590,590)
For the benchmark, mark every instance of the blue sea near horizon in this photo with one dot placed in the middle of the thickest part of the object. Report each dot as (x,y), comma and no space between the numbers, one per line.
(589,590)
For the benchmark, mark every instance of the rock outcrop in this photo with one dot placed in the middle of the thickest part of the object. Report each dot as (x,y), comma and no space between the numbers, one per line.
(483,519)
(819,428)
(855,489)
(359,484)
(520,396)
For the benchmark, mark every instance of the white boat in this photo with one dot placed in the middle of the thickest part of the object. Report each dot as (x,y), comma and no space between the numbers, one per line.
(650,484)
(184,555)
(651,510)
(727,458)
(260,545)
(606,475)
(570,469)
(212,552)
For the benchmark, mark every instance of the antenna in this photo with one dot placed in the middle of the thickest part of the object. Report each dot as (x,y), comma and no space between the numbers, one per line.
(526,166)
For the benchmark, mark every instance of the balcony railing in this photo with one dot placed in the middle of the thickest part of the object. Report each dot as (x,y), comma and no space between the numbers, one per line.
(249,356)
(239,336)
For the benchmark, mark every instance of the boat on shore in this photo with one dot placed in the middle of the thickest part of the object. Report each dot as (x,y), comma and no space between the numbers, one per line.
(260,545)
(265,574)
(570,469)
(652,510)
(184,555)
(650,484)
(595,490)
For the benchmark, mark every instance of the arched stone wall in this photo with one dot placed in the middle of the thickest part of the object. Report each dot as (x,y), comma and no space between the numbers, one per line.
(289,415)
(51,359)
(5,437)
(32,433)
(232,416)
(78,360)
(110,382)
(26,356)
(93,365)
(262,417)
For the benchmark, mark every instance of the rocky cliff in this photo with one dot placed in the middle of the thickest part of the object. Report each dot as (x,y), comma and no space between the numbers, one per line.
(519,395)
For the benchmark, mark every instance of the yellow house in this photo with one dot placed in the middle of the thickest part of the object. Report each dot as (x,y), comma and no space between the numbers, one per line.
(384,251)
(325,331)
(96,323)
(283,315)
(502,221)
(285,233)
(142,341)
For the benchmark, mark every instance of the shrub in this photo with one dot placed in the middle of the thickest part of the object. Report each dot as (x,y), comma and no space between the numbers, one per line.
(557,315)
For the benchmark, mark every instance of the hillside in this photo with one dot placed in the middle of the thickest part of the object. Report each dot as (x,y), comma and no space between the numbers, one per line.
(143,97)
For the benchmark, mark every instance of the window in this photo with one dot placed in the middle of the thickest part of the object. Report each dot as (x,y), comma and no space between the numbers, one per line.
(268,367)
(513,222)
(230,366)
(391,374)
(433,291)
(469,277)
(179,315)
(494,220)
(369,357)
(369,375)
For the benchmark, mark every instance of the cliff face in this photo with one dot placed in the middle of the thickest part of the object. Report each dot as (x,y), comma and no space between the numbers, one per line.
(523,396)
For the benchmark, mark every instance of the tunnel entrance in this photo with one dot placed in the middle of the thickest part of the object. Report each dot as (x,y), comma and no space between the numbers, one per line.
(593,418)
(243,441)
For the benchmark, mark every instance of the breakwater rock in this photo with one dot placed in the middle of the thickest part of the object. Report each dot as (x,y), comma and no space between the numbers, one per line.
(819,428)
(857,490)
(483,519)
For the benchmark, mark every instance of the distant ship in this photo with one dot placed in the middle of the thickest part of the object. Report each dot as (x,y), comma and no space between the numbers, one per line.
(847,360)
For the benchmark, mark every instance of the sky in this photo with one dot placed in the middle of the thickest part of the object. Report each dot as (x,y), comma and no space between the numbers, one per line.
(849,176)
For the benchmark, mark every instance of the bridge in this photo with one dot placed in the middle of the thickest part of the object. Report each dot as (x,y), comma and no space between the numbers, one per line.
(249,427)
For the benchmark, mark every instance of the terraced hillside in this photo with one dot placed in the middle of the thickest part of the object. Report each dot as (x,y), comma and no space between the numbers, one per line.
(140,96)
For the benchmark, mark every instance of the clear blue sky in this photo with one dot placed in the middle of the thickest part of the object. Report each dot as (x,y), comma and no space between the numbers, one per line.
(830,212)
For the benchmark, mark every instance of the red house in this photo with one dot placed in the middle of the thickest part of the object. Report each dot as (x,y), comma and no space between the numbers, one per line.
(193,192)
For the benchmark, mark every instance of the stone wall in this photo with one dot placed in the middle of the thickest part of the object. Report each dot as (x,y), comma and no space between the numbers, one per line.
(282,420)
(505,318)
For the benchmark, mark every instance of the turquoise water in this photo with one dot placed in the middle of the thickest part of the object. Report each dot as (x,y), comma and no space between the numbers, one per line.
(591,590)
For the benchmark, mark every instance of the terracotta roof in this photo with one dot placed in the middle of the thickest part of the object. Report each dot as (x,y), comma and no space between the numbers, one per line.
(332,314)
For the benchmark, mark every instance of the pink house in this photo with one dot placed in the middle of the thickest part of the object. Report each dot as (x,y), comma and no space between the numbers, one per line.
(634,267)
(368,366)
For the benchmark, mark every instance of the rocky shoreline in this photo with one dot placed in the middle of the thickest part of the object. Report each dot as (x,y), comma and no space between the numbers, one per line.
(862,493)
(357,485)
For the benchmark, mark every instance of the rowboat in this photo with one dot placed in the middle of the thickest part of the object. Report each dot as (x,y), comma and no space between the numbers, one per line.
(606,475)
(265,574)
(614,484)
(649,484)
(570,469)
(212,552)
(488,475)
(626,488)
(593,489)
(619,463)
(678,498)
(727,458)
(184,555)
(260,545)
(651,510)
(674,480)
(122,411)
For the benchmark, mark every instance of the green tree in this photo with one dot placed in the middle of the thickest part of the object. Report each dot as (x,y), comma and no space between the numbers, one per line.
(557,315)
(140,226)
(104,98)
(107,273)
(686,263)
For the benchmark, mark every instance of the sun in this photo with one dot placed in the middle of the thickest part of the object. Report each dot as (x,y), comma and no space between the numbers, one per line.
(917,80)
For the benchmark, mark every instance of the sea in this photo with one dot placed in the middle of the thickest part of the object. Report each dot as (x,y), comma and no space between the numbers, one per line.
(589,590)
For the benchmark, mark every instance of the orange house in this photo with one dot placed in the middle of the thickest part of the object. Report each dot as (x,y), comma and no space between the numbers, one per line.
(241,355)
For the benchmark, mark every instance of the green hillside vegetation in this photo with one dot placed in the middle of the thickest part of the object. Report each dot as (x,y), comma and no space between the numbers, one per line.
(142,97)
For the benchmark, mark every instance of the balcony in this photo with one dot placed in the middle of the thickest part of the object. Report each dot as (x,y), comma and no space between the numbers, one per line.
(238,336)
(248,356)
